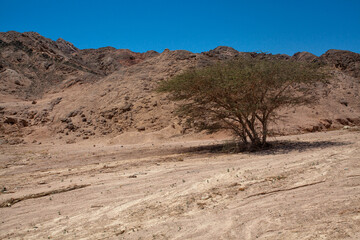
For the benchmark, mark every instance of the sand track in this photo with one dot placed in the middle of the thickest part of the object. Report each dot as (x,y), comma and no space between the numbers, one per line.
(306,187)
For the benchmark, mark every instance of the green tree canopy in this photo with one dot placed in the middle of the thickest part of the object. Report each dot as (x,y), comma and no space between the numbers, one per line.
(243,94)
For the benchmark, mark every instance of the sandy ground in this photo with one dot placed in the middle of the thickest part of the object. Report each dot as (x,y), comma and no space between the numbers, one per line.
(306,187)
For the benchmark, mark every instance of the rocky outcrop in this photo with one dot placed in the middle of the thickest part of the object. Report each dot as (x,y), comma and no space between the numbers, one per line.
(346,61)
(222,53)
(108,91)
(66,47)
(31,64)
(304,57)
(108,59)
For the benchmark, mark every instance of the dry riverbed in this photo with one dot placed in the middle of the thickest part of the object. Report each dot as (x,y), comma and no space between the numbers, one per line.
(305,187)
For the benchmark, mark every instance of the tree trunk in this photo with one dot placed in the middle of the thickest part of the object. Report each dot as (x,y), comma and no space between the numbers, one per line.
(264,134)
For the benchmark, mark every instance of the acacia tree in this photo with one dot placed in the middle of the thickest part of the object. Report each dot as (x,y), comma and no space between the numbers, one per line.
(242,94)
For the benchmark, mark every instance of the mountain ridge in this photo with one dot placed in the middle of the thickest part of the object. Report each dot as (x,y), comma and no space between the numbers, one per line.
(37,59)
(51,89)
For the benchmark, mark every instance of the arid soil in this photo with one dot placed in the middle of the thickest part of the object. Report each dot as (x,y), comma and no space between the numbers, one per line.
(304,187)
(52,90)
(90,150)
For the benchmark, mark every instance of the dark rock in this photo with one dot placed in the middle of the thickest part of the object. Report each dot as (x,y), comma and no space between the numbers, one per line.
(11,120)
(71,127)
(15,141)
(66,46)
(346,61)
(109,114)
(141,128)
(344,102)
(70,141)
(73,113)
(151,53)
(354,121)
(126,107)
(65,120)
(55,102)
(304,57)
(23,123)
(222,52)
(31,114)
(326,123)
(342,121)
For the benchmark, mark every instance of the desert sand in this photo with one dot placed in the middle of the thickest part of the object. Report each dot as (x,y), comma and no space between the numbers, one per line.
(305,187)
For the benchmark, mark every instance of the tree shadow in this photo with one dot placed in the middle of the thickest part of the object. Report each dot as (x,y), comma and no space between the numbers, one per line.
(274,147)
(284,147)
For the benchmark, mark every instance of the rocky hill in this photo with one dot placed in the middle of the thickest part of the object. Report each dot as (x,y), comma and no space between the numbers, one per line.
(51,89)
(31,64)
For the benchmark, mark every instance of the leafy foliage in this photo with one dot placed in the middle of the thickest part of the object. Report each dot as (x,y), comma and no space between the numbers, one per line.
(242,94)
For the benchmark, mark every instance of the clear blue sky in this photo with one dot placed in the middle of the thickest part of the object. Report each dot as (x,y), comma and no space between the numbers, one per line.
(276,26)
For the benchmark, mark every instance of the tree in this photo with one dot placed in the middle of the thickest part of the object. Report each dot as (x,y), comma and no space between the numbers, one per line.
(242,94)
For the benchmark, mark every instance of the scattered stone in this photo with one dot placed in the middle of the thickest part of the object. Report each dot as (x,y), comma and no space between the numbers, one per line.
(97,206)
(121,231)
(15,141)
(30,114)
(125,107)
(55,102)
(342,121)
(343,102)
(141,128)
(206,197)
(11,120)
(23,123)
(73,113)
(70,141)
(326,123)
(71,127)
(65,120)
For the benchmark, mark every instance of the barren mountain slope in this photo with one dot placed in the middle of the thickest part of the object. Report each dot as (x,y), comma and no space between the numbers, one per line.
(138,172)
(31,64)
(95,92)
